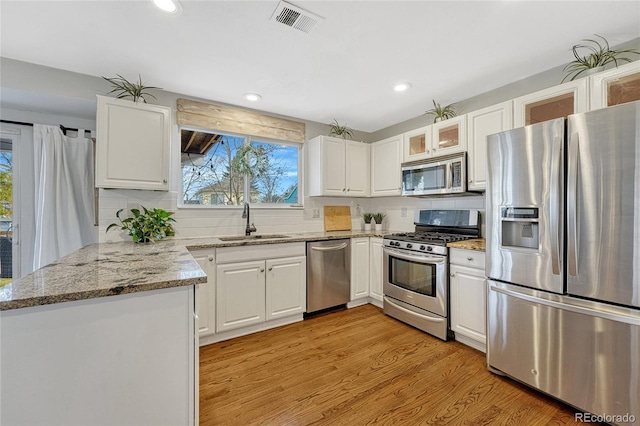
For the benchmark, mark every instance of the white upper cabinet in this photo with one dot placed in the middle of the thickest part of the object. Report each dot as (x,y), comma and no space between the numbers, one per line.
(449,136)
(417,144)
(438,139)
(481,123)
(338,167)
(133,142)
(554,102)
(386,157)
(615,86)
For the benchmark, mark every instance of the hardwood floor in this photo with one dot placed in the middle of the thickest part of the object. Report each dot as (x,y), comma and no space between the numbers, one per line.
(358,367)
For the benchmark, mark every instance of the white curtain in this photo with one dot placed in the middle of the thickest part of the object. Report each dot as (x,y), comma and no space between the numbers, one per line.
(64,197)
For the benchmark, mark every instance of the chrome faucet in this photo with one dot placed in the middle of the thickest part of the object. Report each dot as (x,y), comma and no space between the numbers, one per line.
(245,214)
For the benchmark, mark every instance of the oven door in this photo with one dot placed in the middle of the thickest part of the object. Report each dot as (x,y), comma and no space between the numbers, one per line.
(417,279)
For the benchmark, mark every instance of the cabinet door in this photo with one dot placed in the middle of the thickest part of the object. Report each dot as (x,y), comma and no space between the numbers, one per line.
(386,157)
(240,295)
(468,303)
(286,291)
(132,145)
(206,293)
(554,102)
(616,86)
(375,268)
(449,136)
(357,164)
(417,144)
(484,122)
(359,268)
(333,167)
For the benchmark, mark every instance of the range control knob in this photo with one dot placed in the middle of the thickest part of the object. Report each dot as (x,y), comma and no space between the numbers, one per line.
(422,247)
(429,248)
(409,245)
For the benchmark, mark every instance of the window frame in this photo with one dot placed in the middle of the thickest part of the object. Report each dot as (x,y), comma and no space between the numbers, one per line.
(247,140)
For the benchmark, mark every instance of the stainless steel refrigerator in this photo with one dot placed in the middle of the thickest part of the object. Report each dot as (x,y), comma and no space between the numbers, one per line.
(563,259)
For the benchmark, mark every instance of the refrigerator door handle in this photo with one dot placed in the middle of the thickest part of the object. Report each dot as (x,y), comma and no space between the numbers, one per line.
(572,201)
(554,205)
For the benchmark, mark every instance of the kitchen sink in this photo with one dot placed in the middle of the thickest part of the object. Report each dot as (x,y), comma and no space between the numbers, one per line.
(253,237)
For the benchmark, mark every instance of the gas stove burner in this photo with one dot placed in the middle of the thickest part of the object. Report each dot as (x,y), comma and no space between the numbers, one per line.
(429,237)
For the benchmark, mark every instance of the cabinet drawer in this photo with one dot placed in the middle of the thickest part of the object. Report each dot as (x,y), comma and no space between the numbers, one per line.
(470,258)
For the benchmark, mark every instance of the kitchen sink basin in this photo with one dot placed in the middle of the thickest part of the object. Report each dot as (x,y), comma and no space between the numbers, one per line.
(253,237)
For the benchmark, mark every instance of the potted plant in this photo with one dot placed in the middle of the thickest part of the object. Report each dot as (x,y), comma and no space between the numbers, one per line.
(340,130)
(124,88)
(441,113)
(597,56)
(378,218)
(367,220)
(146,226)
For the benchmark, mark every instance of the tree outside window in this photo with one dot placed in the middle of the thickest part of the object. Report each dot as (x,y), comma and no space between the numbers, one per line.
(220,169)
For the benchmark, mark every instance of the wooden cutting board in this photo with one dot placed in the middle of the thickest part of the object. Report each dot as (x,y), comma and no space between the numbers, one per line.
(337,218)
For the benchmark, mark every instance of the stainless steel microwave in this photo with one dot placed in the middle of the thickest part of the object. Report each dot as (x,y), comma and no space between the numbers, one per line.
(435,176)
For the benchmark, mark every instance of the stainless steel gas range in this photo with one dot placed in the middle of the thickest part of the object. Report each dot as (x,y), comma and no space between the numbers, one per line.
(416,278)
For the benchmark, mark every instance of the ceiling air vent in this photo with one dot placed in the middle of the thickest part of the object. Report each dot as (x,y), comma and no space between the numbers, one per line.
(295,17)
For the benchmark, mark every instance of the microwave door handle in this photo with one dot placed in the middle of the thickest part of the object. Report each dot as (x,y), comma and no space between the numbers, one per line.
(572,200)
(554,205)
(450,173)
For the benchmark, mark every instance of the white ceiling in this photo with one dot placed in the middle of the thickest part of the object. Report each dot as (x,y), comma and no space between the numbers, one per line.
(344,69)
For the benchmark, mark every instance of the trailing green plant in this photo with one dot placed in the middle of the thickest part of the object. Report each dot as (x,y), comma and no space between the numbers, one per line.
(367,217)
(597,55)
(146,226)
(441,112)
(379,217)
(124,88)
(340,130)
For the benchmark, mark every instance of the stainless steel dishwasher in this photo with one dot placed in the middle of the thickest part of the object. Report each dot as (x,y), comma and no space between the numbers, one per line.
(328,274)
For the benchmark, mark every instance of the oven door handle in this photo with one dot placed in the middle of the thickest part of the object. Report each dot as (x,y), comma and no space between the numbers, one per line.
(408,311)
(416,258)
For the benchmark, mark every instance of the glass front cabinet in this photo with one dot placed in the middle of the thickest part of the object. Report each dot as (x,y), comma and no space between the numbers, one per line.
(438,139)
(554,102)
(616,86)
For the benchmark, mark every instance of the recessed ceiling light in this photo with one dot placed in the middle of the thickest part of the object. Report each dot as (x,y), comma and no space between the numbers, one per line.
(253,97)
(169,6)
(401,87)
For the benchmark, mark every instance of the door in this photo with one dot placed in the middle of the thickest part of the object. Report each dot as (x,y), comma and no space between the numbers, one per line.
(375,268)
(484,122)
(386,157)
(603,212)
(286,290)
(359,268)
(525,206)
(468,302)
(333,167)
(17,219)
(357,168)
(240,295)
(206,294)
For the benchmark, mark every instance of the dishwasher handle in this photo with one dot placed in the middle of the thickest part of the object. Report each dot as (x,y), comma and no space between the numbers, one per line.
(330,248)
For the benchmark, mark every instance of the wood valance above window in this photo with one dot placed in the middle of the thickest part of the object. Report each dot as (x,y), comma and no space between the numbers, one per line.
(233,120)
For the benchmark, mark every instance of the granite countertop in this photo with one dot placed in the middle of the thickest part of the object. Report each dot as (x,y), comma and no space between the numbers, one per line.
(109,269)
(477,244)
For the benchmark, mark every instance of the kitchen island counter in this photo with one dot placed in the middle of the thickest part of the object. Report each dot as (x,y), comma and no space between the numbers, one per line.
(109,269)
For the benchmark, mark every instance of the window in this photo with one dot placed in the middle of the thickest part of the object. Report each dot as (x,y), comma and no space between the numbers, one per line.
(222,169)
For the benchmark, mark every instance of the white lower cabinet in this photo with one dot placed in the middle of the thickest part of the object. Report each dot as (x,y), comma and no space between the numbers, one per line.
(206,293)
(258,287)
(375,268)
(286,287)
(240,295)
(359,268)
(468,297)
